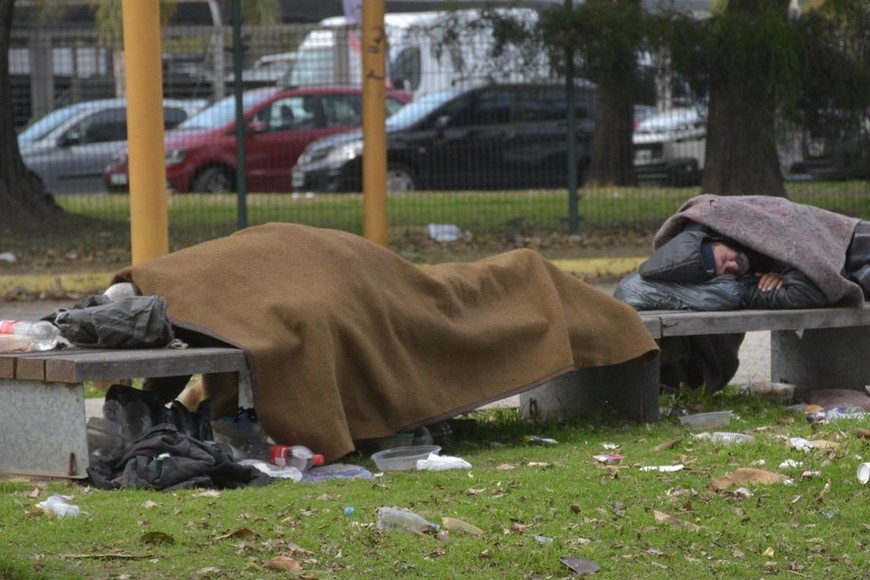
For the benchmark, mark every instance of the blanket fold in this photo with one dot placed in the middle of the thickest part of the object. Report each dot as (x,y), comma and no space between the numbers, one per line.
(348,341)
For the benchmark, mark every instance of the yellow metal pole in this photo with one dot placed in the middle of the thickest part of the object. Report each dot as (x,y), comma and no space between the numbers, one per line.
(374,43)
(149,224)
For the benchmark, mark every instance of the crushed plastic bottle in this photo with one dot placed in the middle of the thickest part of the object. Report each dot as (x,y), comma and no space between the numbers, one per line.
(58,505)
(26,336)
(298,456)
(390,518)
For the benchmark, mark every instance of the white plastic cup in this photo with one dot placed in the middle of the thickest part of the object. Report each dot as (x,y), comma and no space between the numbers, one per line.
(864,473)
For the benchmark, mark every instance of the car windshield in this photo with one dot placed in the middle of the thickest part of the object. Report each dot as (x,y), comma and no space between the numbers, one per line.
(414,111)
(223,112)
(44,125)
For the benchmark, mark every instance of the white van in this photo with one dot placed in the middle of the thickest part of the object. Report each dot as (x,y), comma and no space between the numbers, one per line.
(427,52)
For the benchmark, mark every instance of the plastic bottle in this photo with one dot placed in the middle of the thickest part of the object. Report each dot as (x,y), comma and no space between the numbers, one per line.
(390,518)
(42,334)
(844,413)
(298,456)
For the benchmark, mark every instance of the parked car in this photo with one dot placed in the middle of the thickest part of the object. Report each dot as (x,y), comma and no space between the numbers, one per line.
(669,146)
(494,137)
(838,149)
(201,152)
(68,149)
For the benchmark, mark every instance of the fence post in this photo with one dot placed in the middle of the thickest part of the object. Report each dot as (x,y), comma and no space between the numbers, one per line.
(374,44)
(241,130)
(573,197)
(149,223)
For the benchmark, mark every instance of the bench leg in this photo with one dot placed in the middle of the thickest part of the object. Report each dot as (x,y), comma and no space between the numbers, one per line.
(631,390)
(825,358)
(43,429)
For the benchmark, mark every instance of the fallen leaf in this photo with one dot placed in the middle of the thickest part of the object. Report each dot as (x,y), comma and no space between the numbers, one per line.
(238,533)
(768,553)
(284,563)
(457,525)
(747,475)
(862,433)
(670,443)
(208,493)
(581,566)
(662,517)
(156,538)
(505,467)
(34,493)
(825,489)
(575,507)
(150,504)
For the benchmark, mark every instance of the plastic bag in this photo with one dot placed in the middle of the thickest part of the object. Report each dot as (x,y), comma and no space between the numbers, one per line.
(134,322)
(720,293)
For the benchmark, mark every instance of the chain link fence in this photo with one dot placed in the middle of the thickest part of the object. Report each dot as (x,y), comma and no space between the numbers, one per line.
(490,159)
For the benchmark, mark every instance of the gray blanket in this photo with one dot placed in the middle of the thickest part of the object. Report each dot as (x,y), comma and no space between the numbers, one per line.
(808,238)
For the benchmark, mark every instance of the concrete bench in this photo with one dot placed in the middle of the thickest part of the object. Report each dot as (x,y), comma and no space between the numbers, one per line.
(43,429)
(813,349)
(42,394)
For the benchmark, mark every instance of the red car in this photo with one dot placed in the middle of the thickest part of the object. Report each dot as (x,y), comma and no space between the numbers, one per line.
(201,152)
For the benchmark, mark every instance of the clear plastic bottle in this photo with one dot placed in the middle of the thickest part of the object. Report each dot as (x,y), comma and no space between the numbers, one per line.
(40,335)
(390,518)
(298,456)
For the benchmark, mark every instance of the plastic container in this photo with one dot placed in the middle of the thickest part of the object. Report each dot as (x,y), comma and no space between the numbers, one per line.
(40,335)
(864,473)
(298,456)
(706,420)
(779,391)
(403,458)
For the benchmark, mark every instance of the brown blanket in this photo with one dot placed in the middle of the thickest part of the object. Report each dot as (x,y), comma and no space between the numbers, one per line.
(810,239)
(349,341)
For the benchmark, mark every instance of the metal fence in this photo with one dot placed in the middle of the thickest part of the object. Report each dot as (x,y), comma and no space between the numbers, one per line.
(494,162)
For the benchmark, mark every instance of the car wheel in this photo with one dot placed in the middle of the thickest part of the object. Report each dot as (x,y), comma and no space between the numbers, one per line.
(400,179)
(213,180)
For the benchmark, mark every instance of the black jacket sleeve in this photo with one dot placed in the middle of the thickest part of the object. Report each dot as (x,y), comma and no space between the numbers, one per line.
(797,291)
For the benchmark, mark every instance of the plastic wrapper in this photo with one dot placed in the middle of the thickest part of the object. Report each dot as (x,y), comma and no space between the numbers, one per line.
(441,463)
(58,505)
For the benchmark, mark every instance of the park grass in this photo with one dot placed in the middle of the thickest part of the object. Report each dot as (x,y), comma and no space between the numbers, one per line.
(534,504)
(197,217)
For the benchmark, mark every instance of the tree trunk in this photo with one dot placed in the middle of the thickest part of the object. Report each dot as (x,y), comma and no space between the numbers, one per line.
(612,160)
(741,155)
(23,201)
(612,152)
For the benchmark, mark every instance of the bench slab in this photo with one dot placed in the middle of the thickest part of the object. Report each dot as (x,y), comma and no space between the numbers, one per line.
(46,435)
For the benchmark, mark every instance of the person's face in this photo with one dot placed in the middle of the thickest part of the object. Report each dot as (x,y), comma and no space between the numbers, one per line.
(725,258)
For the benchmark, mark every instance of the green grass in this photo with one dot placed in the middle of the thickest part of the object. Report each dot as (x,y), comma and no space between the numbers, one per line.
(535,504)
(194,218)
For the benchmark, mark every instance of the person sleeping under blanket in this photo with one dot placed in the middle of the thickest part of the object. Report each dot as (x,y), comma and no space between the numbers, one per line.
(750,252)
(347,341)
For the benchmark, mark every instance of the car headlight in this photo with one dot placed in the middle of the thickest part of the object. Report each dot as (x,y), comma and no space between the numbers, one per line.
(175,156)
(344,153)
